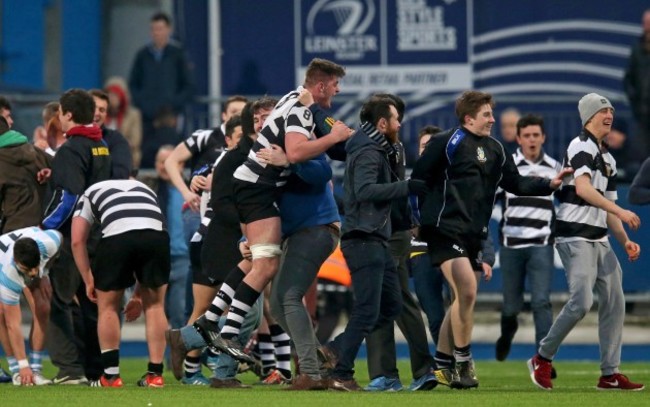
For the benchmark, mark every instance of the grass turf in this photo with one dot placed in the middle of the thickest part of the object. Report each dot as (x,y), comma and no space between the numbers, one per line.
(501,384)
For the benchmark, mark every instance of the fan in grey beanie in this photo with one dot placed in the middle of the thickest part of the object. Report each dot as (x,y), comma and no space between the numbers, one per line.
(590,104)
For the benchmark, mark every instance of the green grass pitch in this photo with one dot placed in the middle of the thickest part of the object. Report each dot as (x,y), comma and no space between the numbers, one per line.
(501,384)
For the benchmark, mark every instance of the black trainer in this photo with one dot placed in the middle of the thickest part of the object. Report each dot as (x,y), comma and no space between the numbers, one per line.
(464,376)
(209,330)
(503,348)
(231,347)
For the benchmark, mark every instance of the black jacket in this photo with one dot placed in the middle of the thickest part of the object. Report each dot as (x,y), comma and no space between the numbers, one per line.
(155,84)
(78,164)
(463,171)
(369,190)
(122,162)
(222,196)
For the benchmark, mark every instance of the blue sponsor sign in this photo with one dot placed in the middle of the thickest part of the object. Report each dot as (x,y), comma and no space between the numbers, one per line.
(397,46)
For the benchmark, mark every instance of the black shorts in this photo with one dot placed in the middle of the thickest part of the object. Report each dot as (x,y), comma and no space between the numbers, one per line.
(138,254)
(220,252)
(442,248)
(255,201)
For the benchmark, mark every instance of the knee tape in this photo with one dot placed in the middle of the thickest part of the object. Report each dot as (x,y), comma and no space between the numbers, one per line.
(265,250)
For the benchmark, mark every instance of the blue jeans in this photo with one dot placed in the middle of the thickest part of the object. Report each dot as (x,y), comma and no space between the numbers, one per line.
(429,284)
(191,222)
(176,296)
(226,366)
(536,263)
(377,299)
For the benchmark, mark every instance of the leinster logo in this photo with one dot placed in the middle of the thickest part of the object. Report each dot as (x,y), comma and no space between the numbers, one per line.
(480,154)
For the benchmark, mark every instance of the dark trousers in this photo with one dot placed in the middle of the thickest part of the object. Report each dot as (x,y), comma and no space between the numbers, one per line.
(72,340)
(377,299)
(430,289)
(382,359)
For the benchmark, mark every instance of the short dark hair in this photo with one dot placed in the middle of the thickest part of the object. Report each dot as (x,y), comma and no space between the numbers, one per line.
(265,102)
(470,102)
(100,94)
(530,120)
(428,130)
(375,108)
(161,16)
(234,121)
(4,103)
(4,125)
(26,252)
(247,120)
(399,104)
(320,70)
(234,98)
(80,103)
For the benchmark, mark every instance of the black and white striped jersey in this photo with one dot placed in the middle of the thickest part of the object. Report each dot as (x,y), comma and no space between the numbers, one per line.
(577,219)
(205,145)
(121,206)
(528,220)
(206,207)
(289,115)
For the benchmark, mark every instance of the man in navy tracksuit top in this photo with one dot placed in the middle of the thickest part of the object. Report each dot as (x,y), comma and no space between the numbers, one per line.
(463,168)
(311,231)
(81,161)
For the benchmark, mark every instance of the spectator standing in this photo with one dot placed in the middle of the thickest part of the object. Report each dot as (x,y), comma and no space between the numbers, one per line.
(508,125)
(161,78)
(636,83)
(80,162)
(526,233)
(123,116)
(171,204)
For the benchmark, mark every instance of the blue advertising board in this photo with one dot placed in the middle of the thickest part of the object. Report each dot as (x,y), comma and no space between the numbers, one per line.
(391,46)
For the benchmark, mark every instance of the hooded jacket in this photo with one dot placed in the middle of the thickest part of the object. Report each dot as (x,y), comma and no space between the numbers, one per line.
(128,119)
(369,188)
(21,196)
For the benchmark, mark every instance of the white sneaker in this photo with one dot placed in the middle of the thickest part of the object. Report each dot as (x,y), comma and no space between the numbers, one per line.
(40,380)
(37,378)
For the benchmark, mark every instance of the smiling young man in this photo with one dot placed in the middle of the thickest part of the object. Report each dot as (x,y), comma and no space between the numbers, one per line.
(463,168)
(586,215)
(527,239)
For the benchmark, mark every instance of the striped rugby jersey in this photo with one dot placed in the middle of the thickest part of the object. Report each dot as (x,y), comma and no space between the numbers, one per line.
(206,207)
(288,115)
(577,219)
(205,145)
(121,206)
(12,282)
(528,220)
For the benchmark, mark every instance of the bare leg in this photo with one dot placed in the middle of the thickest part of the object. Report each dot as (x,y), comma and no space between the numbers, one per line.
(108,322)
(155,321)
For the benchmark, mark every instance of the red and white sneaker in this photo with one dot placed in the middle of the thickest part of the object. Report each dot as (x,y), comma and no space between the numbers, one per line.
(151,380)
(104,382)
(276,377)
(540,372)
(618,381)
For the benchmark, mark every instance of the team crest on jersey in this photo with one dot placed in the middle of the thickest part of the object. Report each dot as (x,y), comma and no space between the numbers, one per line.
(480,154)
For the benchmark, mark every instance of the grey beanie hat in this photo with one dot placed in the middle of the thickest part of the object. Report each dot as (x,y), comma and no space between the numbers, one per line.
(590,104)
